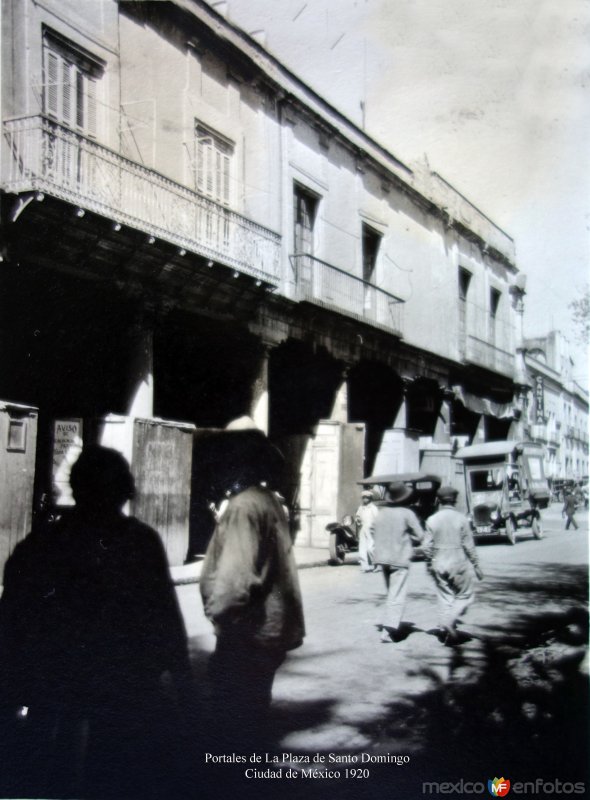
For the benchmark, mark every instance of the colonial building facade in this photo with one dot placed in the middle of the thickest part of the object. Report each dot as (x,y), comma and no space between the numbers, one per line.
(191,234)
(557,410)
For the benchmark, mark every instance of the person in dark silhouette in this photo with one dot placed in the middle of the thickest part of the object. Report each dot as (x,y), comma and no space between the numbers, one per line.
(93,647)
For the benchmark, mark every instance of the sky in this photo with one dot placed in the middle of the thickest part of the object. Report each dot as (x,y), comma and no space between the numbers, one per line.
(495,94)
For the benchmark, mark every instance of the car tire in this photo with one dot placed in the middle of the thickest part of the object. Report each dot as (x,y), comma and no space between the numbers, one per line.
(337,550)
(510,531)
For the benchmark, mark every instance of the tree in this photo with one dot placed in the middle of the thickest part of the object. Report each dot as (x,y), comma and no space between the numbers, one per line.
(580,308)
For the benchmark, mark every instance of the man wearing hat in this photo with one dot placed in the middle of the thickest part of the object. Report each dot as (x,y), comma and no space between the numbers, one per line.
(250,587)
(365,516)
(450,551)
(395,532)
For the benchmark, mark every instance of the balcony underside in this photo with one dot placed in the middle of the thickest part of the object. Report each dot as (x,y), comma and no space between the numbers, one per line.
(51,234)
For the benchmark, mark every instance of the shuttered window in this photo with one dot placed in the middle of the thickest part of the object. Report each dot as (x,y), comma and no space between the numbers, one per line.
(212,165)
(70,86)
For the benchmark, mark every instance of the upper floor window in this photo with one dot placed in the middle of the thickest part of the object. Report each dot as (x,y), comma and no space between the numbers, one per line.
(371,244)
(70,84)
(464,281)
(212,165)
(494,302)
(305,209)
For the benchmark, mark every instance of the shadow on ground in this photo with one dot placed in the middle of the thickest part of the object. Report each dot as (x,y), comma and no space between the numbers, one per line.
(513,701)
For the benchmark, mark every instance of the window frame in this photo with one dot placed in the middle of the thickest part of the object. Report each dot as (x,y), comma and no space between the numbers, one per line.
(71,84)
(213,164)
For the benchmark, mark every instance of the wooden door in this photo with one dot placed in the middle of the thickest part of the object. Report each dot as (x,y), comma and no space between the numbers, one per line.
(18,443)
(162,463)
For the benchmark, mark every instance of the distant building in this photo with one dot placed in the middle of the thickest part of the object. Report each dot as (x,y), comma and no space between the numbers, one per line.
(190,233)
(557,410)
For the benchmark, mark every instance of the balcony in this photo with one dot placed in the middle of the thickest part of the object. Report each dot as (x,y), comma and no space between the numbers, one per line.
(48,158)
(485,354)
(331,287)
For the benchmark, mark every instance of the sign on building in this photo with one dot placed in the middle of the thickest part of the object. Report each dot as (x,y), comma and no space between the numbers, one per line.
(539,400)
(67,445)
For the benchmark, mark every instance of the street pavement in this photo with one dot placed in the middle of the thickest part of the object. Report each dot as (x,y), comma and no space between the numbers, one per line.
(513,695)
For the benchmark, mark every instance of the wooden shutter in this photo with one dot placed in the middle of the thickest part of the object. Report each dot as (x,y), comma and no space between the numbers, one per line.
(51,93)
(68,92)
(91,107)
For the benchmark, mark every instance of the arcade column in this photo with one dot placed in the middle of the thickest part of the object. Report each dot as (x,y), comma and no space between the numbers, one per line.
(141,367)
(339,411)
(259,408)
(436,457)
(400,448)
(117,430)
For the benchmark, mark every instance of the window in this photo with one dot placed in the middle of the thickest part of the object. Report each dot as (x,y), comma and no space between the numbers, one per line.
(305,207)
(464,281)
(371,244)
(494,302)
(71,80)
(213,161)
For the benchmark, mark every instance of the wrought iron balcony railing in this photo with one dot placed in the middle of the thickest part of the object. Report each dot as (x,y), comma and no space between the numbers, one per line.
(47,157)
(485,354)
(331,287)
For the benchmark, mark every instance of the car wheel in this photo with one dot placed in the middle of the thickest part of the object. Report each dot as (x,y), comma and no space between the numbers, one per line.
(337,550)
(510,531)
(537,528)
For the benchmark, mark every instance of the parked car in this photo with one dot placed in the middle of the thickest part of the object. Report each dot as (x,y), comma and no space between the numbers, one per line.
(344,535)
(505,487)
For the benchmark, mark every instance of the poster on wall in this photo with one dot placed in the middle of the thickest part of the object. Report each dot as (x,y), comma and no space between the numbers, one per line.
(67,446)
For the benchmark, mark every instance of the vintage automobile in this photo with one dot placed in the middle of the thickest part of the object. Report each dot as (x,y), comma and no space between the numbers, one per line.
(505,487)
(344,536)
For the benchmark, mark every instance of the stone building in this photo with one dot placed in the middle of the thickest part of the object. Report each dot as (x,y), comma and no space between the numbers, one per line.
(557,409)
(190,234)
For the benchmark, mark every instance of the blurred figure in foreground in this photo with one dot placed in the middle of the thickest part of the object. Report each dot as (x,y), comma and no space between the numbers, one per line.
(89,629)
(452,562)
(250,591)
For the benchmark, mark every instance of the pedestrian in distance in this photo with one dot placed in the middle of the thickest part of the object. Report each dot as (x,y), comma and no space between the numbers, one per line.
(452,561)
(93,647)
(365,516)
(396,530)
(568,511)
(250,591)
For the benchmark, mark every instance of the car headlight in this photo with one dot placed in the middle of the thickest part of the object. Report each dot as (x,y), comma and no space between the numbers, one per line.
(495,515)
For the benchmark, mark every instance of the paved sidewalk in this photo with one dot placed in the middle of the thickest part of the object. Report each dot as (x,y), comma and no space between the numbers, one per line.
(304,556)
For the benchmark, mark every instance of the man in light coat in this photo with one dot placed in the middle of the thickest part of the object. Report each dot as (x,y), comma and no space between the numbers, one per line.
(452,559)
(396,530)
(365,517)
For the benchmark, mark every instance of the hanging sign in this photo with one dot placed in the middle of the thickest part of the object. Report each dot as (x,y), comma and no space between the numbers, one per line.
(539,400)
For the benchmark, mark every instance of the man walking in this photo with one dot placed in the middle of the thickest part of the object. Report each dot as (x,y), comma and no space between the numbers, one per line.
(569,509)
(395,531)
(452,560)
(250,591)
(365,517)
